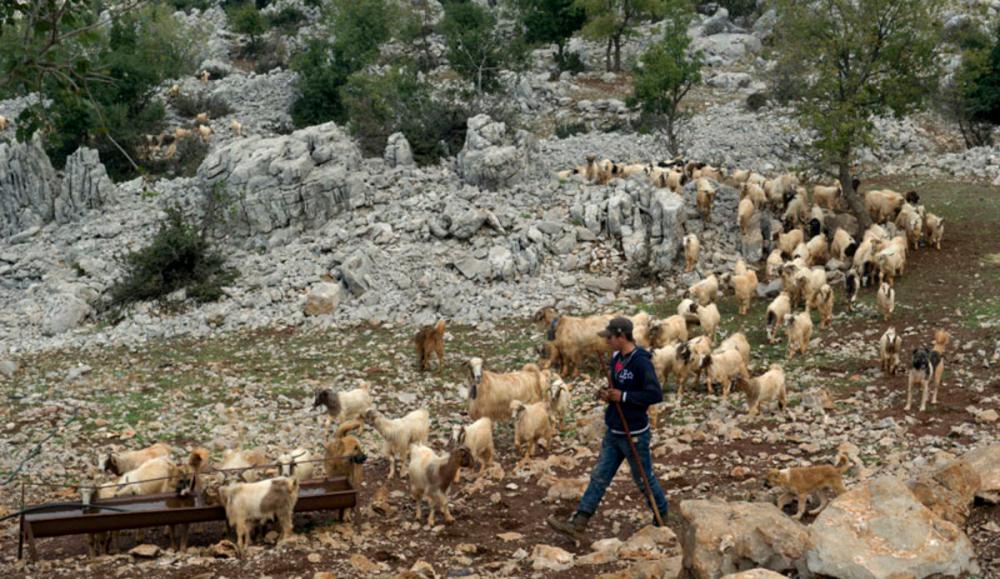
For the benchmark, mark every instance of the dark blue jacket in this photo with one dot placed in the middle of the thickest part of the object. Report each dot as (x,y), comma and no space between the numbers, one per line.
(640,388)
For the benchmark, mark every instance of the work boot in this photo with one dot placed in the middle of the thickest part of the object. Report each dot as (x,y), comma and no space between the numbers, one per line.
(573,528)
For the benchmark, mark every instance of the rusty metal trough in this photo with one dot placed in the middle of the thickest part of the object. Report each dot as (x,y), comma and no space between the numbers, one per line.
(53,520)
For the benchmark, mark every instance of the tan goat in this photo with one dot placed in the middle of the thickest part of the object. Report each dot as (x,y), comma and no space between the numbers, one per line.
(691,249)
(491,393)
(800,329)
(531,426)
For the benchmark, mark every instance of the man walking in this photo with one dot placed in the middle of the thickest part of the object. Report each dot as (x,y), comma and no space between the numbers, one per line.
(635,387)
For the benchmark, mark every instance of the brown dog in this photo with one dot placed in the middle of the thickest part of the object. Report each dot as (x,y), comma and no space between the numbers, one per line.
(344,455)
(801,482)
(430,340)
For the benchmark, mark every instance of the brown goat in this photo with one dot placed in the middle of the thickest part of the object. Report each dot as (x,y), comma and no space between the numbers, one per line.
(430,340)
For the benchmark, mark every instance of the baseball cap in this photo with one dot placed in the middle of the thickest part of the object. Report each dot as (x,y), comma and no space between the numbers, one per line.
(617,326)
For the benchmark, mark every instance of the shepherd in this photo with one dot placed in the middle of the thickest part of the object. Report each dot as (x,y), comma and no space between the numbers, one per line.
(632,389)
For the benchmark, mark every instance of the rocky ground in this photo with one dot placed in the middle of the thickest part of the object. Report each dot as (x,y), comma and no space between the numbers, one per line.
(484,239)
(254,388)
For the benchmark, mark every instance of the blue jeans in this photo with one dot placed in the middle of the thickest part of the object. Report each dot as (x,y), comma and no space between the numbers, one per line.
(614,449)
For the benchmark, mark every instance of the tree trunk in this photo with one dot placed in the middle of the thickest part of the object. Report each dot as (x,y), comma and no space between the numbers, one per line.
(607,56)
(852,197)
(618,53)
(671,132)
(559,54)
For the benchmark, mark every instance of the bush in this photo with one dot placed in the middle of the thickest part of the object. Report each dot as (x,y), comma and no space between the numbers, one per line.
(568,129)
(191,151)
(191,105)
(215,72)
(288,19)
(247,19)
(188,5)
(321,76)
(739,8)
(379,105)
(756,101)
(571,62)
(273,54)
(178,257)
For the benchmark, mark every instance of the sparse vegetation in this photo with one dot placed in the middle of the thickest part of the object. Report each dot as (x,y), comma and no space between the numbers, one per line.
(192,104)
(178,257)
(397,100)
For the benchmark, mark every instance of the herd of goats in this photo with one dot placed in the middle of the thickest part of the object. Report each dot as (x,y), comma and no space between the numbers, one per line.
(536,400)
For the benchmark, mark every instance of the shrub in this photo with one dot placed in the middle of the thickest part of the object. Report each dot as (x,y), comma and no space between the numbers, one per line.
(188,5)
(185,162)
(756,101)
(739,8)
(397,100)
(178,257)
(273,54)
(190,105)
(247,19)
(288,19)
(215,72)
(571,62)
(321,76)
(568,129)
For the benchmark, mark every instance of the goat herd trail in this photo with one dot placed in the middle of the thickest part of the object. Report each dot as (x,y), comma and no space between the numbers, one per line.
(255,389)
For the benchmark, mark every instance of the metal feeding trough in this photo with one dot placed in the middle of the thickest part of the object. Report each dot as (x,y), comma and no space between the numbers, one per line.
(97,516)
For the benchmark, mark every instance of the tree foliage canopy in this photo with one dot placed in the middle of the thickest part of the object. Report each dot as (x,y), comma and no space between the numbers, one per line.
(668,72)
(614,21)
(863,58)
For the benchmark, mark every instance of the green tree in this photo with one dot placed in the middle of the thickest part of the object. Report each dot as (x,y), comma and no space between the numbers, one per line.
(967,101)
(111,106)
(247,19)
(614,21)
(358,29)
(551,22)
(668,71)
(867,58)
(479,46)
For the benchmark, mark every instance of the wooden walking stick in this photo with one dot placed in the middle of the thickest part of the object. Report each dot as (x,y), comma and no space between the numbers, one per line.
(635,453)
